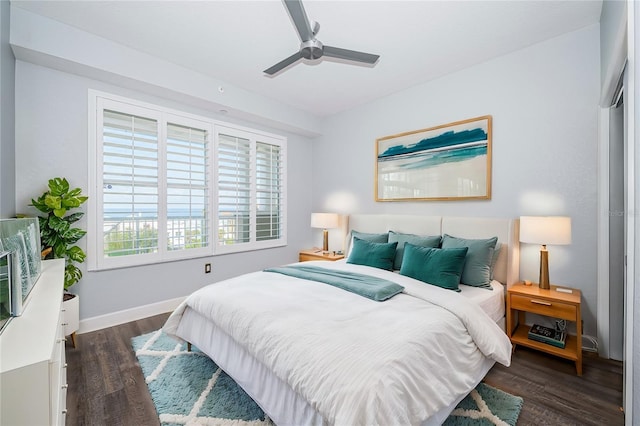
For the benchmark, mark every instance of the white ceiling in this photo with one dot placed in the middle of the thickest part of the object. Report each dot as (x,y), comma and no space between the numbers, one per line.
(234,41)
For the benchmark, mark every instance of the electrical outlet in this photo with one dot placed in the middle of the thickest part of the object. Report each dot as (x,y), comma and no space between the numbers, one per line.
(207,268)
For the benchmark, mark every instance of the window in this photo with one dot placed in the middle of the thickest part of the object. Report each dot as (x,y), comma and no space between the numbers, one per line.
(156,175)
(129,184)
(234,190)
(188,210)
(249,176)
(268,191)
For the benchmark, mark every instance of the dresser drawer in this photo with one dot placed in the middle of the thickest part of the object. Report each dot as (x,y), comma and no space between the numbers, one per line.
(551,308)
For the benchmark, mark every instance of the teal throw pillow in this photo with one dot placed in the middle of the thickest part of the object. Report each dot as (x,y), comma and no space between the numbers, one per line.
(440,267)
(477,267)
(416,240)
(377,255)
(374,238)
(494,259)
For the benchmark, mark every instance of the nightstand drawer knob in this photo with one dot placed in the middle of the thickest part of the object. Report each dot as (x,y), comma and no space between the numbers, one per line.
(540,302)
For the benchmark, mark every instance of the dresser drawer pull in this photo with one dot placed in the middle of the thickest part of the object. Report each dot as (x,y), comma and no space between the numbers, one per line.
(540,302)
(65,386)
(64,411)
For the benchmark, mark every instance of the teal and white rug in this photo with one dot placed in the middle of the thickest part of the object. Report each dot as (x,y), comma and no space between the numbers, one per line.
(188,388)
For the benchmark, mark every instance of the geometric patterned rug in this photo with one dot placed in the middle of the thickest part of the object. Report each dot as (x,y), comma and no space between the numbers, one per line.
(188,388)
(486,405)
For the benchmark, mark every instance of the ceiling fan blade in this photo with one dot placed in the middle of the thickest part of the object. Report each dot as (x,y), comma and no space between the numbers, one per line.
(350,55)
(299,17)
(283,64)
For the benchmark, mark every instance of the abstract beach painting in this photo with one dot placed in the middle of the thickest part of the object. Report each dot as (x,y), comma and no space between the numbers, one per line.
(447,162)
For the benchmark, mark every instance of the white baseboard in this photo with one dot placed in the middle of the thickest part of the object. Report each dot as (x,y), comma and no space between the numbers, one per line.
(127,315)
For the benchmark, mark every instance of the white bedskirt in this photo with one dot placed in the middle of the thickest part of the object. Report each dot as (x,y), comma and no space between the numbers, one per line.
(281,403)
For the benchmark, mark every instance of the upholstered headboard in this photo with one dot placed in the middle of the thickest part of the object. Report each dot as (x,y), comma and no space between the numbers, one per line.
(507,265)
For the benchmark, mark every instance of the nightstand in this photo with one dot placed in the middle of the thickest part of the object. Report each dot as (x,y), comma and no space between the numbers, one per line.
(316,254)
(550,303)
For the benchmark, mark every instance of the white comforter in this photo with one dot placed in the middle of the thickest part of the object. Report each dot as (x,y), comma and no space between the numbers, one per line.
(356,361)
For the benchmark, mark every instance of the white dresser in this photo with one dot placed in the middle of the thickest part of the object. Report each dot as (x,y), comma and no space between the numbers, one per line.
(33,375)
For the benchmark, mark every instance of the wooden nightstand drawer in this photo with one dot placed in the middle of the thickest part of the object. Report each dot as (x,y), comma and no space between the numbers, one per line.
(542,306)
(307,257)
(317,254)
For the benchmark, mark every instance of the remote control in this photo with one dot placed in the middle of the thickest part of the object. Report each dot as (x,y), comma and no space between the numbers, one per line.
(564,290)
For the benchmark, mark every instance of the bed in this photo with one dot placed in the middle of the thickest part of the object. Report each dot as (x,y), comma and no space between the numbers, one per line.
(309,353)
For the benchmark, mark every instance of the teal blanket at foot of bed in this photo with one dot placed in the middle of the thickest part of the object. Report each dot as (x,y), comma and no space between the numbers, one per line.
(373,288)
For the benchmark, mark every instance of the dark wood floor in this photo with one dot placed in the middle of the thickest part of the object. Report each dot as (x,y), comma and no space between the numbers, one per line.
(106,386)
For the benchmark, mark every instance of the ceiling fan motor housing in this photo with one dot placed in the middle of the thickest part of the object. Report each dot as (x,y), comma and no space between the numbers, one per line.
(311,49)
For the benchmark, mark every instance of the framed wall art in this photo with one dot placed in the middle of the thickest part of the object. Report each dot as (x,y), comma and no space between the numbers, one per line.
(447,162)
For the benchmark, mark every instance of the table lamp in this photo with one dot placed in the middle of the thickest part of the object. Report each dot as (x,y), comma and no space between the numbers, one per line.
(325,221)
(554,230)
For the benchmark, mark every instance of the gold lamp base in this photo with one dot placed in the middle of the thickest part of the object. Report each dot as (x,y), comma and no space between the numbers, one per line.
(543,282)
(325,241)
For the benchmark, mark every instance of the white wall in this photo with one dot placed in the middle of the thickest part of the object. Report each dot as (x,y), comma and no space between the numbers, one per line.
(51,140)
(543,100)
(7,131)
(613,25)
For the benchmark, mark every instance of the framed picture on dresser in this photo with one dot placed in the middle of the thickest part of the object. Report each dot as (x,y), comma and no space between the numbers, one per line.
(447,162)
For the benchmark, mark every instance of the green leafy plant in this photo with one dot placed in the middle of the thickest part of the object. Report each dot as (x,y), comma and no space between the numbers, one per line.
(56,230)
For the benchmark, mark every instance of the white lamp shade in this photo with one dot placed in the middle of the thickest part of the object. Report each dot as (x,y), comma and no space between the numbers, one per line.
(553,230)
(325,220)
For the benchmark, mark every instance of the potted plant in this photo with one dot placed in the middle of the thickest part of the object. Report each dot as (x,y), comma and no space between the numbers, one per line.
(57,234)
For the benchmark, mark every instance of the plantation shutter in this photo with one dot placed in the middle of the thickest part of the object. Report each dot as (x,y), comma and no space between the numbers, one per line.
(187,187)
(166,185)
(268,191)
(234,190)
(130,184)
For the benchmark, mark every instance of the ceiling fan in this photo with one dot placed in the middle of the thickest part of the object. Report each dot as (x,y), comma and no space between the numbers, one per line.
(312,48)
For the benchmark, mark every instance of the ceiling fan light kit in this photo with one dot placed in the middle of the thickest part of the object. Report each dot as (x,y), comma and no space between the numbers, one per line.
(311,48)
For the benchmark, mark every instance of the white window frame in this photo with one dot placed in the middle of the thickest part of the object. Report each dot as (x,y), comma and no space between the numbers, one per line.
(95,243)
(253,136)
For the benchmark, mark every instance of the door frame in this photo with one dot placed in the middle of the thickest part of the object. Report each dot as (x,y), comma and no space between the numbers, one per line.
(619,55)
(623,53)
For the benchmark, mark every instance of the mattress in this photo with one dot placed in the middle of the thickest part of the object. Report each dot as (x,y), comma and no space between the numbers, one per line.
(492,302)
